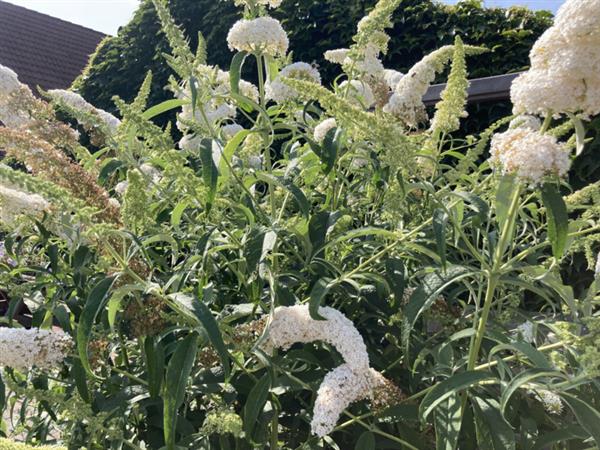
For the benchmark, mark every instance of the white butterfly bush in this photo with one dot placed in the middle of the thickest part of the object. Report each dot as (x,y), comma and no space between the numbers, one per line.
(352,381)
(78,103)
(323,128)
(14,203)
(565,65)
(23,349)
(530,155)
(407,100)
(279,92)
(263,35)
(359,93)
(10,85)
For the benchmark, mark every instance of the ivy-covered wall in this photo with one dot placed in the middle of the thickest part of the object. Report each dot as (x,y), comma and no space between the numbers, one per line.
(314,26)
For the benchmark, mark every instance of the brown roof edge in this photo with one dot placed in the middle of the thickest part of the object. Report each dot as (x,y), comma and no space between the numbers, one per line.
(480,89)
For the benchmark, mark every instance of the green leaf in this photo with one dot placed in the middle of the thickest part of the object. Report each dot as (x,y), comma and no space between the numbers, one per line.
(447,423)
(493,431)
(317,294)
(228,152)
(178,373)
(163,107)
(253,248)
(587,416)
(520,380)
(93,305)
(562,435)
(504,193)
(429,290)
(155,364)
(537,358)
(214,334)
(558,219)
(178,211)
(319,227)
(79,376)
(290,187)
(328,151)
(395,276)
(255,403)
(442,391)
(235,71)
(196,310)
(366,441)
(440,221)
(210,173)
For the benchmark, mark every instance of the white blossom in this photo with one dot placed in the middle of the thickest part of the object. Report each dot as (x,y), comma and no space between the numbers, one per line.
(78,103)
(597,268)
(9,81)
(269,3)
(350,382)
(293,324)
(121,188)
(278,91)
(23,349)
(578,20)
(14,202)
(337,56)
(230,130)
(565,65)
(340,388)
(224,86)
(263,35)
(392,78)
(359,93)
(207,115)
(528,154)
(10,114)
(551,401)
(407,100)
(323,128)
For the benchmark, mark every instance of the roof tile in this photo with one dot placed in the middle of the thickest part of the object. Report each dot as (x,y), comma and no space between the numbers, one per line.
(43,50)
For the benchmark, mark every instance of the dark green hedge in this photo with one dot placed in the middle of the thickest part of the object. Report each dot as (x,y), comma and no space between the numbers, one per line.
(314,26)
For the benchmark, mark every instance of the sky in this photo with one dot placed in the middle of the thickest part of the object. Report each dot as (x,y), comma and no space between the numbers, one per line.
(108,15)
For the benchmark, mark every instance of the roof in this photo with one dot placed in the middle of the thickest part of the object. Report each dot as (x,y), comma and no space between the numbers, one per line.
(43,50)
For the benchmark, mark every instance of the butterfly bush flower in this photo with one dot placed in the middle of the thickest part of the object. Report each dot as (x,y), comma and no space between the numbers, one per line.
(565,65)
(551,401)
(527,331)
(78,103)
(337,56)
(350,382)
(263,35)
(230,130)
(23,349)
(407,100)
(529,154)
(279,91)
(392,78)
(359,93)
(10,86)
(14,203)
(223,88)
(269,3)
(323,128)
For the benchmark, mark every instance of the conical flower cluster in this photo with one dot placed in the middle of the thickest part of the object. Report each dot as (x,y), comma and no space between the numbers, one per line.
(565,65)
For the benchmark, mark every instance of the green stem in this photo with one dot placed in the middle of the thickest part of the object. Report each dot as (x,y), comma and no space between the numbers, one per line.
(494,277)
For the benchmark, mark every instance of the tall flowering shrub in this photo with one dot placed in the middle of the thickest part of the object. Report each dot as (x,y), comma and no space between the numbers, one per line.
(309,266)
